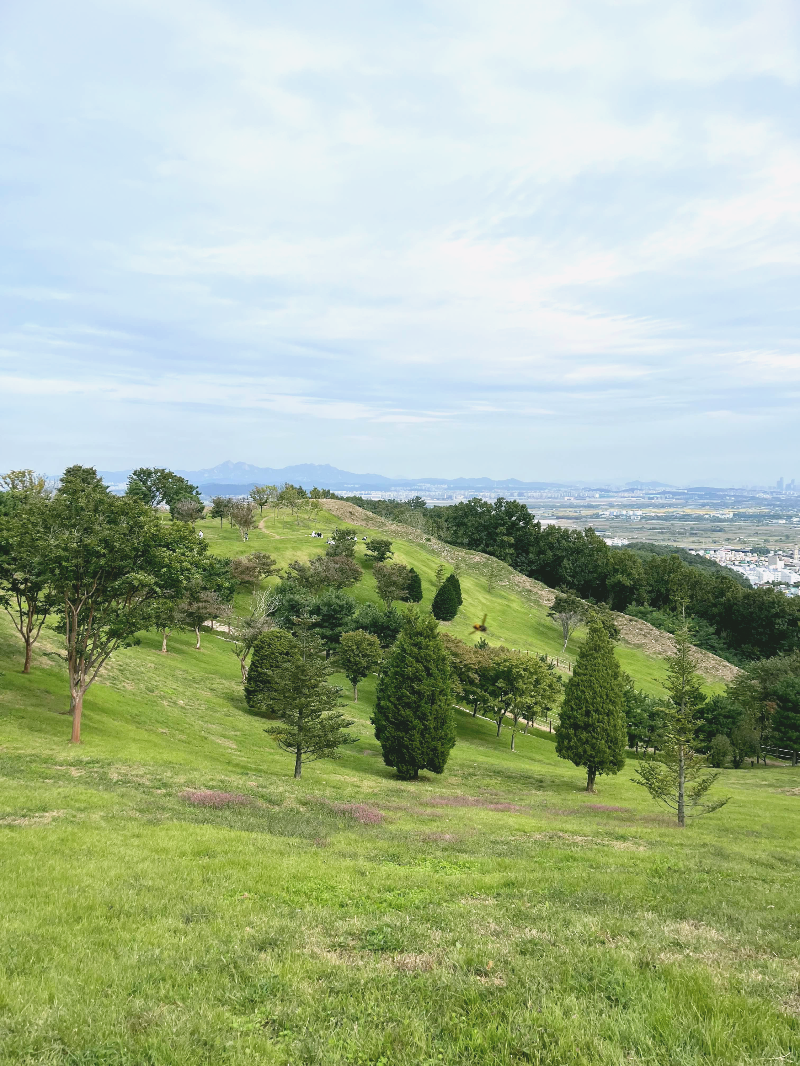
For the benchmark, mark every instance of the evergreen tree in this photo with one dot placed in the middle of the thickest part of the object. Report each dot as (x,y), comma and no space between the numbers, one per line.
(359,654)
(414,720)
(592,730)
(455,585)
(310,725)
(445,604)
(785,725)
(272,654)
(676,775)
(414,587)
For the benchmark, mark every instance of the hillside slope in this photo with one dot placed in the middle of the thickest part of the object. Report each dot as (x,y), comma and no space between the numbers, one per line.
(172,896)
(636,634)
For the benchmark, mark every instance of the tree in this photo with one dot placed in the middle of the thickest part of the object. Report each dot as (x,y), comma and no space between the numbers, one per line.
(246,631)
(242,514)
(273,651)
(379,548)
(676,776)
(384,624)
(785,724)
(414,587)
(331,615)
(342,542)
(154,486)
(445,604)
(168,615)
(414,720)
(252,568)
(359,654)
(25,594)
(569,612)
(455,585)
(519,686)
(261,495)
(720,750)
(109,560)
(23,481)
(591,730)
(310,726)
(438,577)
(337,571)
(202,605)
(189,510)
(220,508)
(392,581)
(644,716)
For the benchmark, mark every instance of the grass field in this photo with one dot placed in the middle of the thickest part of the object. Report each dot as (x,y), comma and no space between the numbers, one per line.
(495,914)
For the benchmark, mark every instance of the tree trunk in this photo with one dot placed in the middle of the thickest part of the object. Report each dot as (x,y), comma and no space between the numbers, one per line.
(298,763)
(681,786)
(513,736)
(527,723)
(26,669)
(197,631)
(163,642)
(76,707)
(794,758)
(243,664)
(591,776)
(499,725)
(355,693)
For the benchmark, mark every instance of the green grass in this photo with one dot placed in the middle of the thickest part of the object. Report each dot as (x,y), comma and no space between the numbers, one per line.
(512,619)
(495,914)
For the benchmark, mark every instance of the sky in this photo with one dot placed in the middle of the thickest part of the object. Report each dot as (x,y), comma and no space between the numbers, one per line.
(504,238)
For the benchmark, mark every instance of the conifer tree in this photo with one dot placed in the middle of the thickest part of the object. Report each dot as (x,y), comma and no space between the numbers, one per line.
(445,604)
(676,775)
(414,587)
(414,720)
(311,725)
(592,729)
(785,725)
(455,585)
(272,653)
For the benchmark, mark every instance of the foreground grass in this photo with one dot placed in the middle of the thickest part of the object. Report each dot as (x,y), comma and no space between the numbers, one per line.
(494,915)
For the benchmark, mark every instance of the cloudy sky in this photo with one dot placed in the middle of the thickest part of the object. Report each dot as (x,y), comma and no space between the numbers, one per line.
(442,237)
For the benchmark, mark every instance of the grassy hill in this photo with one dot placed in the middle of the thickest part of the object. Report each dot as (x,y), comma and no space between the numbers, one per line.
(495,914)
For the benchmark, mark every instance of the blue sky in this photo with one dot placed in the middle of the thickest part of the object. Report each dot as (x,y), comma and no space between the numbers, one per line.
(495,238)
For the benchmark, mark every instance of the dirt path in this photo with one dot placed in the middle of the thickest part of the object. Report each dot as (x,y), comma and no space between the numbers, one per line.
(635,632)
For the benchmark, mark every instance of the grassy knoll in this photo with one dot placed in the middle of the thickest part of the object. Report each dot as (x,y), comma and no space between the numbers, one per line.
(494,915)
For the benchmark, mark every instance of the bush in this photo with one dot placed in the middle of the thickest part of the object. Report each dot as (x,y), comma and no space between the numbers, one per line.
(720,751)
(445,604)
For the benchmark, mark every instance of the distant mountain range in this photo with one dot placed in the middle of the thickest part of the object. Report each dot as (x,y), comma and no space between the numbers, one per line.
(242,476)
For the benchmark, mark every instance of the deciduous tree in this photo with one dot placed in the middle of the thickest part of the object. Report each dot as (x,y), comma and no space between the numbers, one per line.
(569,612)
(109,561)
(359,654)
(380,548)
(392,581)
(25,593)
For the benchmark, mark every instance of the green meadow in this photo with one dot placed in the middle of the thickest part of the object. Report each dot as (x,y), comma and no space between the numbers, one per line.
(495,914)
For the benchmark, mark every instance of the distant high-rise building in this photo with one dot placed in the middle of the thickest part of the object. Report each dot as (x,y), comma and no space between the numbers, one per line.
(779,486)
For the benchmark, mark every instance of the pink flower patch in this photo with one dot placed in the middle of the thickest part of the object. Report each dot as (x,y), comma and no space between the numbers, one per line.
(211,798)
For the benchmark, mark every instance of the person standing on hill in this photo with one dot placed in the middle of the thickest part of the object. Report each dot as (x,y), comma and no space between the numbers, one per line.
(592,730)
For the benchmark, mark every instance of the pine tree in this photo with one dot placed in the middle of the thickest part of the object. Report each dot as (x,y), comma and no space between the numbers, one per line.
(414,587)
(414,720)
(445,604)
(676,775)
(310,725)
(592,730)
(272,654)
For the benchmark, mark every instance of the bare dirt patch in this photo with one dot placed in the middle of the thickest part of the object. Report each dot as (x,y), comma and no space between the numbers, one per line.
(31,820)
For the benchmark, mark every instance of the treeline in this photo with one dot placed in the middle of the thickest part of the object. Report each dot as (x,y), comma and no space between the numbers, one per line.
(728,617)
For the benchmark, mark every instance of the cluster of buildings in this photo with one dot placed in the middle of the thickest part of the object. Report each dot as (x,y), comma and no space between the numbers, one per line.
(779,568)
